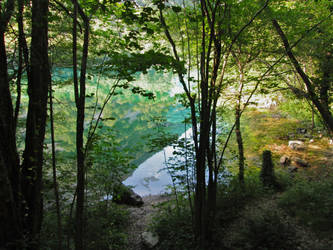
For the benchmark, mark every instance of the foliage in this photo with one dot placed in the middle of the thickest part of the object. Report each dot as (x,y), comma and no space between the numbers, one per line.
(265,230)
(181,164)
(233,196)
(284,179)
(125,65)
(174,223)
(106,227)
(173,226)
(311,203)
(298,109)
(110,162)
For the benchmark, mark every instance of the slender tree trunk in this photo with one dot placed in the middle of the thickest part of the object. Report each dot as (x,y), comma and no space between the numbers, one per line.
(54,172)
(321,105)
(201,204)
(240,145)
(212,181)
(23,58)
(238,124)
(18,88)
(313,125)
(80,104)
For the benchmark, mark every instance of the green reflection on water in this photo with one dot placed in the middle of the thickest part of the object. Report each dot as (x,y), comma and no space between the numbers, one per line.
(132,115)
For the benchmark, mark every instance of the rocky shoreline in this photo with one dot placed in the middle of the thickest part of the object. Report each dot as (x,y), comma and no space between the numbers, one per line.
(140,219)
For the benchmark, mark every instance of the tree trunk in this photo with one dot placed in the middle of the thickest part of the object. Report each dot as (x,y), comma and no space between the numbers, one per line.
(54,172)
(9,161)
(18,88)
(38,82)
(80,104)
(238,114)
(212,179)
(240,145)
(10,229)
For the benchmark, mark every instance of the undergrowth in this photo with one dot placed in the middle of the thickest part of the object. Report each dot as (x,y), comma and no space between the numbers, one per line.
(173,224)
(264,230)
(311,203)
(105,229)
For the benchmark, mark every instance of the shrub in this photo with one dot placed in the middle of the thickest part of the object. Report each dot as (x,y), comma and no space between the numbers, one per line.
(265,230)
(174,227)
(106,227)
(311,202)
(284,179)
(233,196)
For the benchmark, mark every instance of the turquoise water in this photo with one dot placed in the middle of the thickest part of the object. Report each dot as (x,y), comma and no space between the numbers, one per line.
(132,118)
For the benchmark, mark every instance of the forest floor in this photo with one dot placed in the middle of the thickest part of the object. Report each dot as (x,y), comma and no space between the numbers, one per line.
(141,218)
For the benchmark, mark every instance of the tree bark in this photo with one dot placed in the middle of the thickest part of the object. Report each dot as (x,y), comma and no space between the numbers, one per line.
(10,230)
(240,145)
(38,81)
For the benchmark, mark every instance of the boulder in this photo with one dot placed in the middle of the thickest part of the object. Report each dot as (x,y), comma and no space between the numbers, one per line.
(285,160)
(125,195)
(300,162)
(296,145)
(149,239)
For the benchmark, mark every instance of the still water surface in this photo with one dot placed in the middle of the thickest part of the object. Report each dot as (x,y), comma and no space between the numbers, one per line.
(150,178)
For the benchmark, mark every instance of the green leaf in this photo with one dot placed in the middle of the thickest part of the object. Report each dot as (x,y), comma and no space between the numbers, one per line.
(176,9)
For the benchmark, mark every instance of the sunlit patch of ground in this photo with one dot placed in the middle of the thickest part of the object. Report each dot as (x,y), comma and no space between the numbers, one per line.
(268,129)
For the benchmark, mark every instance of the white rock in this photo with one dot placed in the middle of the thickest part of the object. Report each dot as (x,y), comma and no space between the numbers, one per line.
(296,145)
(149,239)
(284,160)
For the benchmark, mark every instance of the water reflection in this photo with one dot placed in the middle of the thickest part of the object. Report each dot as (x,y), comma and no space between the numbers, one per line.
(150,177)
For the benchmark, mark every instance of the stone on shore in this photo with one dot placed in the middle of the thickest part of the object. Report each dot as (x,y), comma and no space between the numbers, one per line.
(149,239)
